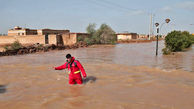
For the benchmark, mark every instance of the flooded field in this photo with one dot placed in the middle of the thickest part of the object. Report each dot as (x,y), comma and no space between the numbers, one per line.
(124,76)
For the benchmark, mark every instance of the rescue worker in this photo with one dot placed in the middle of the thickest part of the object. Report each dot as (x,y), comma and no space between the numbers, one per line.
(74,68)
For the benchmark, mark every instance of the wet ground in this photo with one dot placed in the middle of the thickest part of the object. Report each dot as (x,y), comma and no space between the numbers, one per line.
(124,76)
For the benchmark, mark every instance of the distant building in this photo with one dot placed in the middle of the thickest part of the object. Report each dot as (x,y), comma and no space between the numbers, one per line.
(18,31)
(143,36)
(127,36)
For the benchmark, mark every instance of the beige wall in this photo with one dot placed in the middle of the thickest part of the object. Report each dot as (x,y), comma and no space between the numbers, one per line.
(69,39)
(2,49)
(124,37)
(52,39)
(22,32)
(16,32)
(35,32)
(30,39)
(39,32)
(7,40)
(12,34)
(143,36)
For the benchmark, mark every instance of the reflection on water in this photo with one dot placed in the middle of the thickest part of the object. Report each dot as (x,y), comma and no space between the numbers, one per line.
(123,76)
(2,89)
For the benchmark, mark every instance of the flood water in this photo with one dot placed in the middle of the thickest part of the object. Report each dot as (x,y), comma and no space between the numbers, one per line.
(124,76)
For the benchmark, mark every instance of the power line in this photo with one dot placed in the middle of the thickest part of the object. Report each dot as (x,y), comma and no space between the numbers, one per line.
(117,5)
(94,2)
(111,5)
(122,7)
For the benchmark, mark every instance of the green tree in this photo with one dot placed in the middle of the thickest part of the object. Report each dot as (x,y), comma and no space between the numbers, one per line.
(91,30)
(106,34)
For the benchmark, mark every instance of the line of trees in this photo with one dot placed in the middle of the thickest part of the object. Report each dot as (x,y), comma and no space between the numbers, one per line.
(104,35)
(177,41)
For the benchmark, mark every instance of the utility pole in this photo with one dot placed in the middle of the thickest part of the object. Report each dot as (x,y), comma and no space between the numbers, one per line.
(153,20)
(150,28)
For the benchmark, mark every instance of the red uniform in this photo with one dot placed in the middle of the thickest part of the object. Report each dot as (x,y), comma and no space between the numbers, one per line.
(74,68)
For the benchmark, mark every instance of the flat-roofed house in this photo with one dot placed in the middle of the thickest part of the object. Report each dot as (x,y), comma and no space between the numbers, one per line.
(18,31)
(127,36)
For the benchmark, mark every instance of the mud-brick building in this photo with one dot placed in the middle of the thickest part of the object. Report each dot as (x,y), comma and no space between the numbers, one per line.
(41,36)
(18,31)
(144,36)
(126,36)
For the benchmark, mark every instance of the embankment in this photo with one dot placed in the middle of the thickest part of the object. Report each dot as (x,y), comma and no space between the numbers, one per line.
(40,48)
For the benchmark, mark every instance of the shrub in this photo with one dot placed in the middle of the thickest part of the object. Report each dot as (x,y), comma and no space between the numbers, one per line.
(192,39)
(6,47)
(88,41)
(80,39)
(40,46)
(16,45)
(166,51)
(177,41)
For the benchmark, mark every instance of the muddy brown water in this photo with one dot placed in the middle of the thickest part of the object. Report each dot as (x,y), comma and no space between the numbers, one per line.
(124,76)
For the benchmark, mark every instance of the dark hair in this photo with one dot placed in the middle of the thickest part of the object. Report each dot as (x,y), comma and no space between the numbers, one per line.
(68,56)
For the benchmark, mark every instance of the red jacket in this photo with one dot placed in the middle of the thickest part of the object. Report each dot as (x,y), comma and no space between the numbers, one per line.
(74,67)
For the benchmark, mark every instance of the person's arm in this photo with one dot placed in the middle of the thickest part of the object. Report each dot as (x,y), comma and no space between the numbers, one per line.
(81,68)
(61,67)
